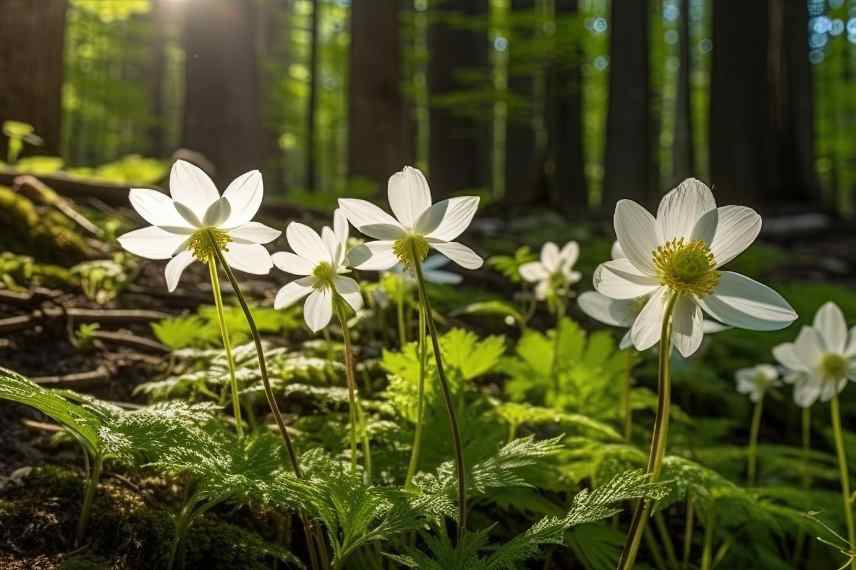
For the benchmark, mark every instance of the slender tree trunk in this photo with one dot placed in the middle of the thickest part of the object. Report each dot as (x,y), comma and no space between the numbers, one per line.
(32,42)
(312,103)
(221,105)
(683,150)
(376,147)
(521,176)
(458,149)
(629,155)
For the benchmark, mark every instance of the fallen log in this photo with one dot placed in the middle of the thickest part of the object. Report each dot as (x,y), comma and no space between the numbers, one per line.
(40,316)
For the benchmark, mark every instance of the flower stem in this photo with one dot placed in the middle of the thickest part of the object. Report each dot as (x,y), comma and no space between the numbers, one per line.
(707,553)
(752,456)
(806,479)
(658,438)
(845,477)
(447,396)
(688,533)
(88,498)
(625,395)
(354,411)
(227,344)
(399,312)
(422,348)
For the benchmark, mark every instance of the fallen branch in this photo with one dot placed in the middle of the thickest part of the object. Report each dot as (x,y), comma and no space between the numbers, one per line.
(40,316)
(38,191)
(77,379)
(128,339)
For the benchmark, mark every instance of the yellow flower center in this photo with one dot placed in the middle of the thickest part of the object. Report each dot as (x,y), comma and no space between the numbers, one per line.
(324,274)
(404,248)
(834,366)
(686,267)
(202,243)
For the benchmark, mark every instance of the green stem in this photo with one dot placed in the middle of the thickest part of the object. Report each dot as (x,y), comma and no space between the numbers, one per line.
(354,407)
(666,539)
(399,311)
(88,498)
(707,553)
(420,401)
(806,479)
(752,456)
(658,439)
(625,395)
(654,548)
(447,396)
(688,532)
(227,344)
(845,477)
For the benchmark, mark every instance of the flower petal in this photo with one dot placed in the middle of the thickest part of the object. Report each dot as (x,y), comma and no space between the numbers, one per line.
(737,228)
(550,258)
(710,326)
(705,227)
(371,220)
(618,313)
(217,212)
(340,228)
(176,267)
(190,186)
(245,195)
(307,243)
(542,290)
(248,257)
(459,253)
(648,325)
(637,233)
(809,348)
(318,309)
(253,232)
(829,323)
(681,208)
(152,242)
(570,253)
(447,219)
(293,292)
(533,271)
(742,302)
(616,252)
(620,279)
(786,354)
(409,195)
(329,240)
(850,350)
(806,392)
(441,277)
(687,330)
(291,263)
(349,290)
(373,256)
(626,340)
(156,208)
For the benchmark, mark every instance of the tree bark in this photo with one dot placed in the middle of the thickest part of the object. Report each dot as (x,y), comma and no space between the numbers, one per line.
(629,158)
(221,105)
(32,43)
(521,176)
(683,149)
(376,120)
(312,103)
(458,153)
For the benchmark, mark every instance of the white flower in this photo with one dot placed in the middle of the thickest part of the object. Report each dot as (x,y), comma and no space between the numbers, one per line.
(417,225)
(623,312)
(821,359)
(554,271)
(186,227)
(430,271)
(320,260)
(756,380)
(679,253)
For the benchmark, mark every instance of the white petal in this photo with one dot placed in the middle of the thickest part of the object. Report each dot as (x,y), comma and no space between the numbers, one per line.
(681,208)
(737,228)
(572,276)
(152,242)
(542,290)
(318,309)
(687,331)
(742,302)
(190,186)
(620,279)
(533,271)
(637,233)
(570,253)
(710,326)
(649,324)
(156,208)
(248,257)
(188,215)
(371,220)
(829,389)
(217,212)
(705,227)
(459,253)
(616,252)
(444,277)
(293,292)
(176,267)
(786,354)
(850,350)
(806,392)
(291,263)
(829,322)
(608,311)
(809,348)
(254,232)
(626,340)
(307,243)
(409,195)
(340,228)
(434,262)
(373,256)
(550,257)
(448,219)
(329,239)
(768,372)
(349,290)
(244,194)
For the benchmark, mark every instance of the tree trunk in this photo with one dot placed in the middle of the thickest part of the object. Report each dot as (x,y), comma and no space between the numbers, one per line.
(629,155)
(221,105)
(683,149)
(376,127)
(521,176)
(312,103)
(160,37)
(457,149)
(31,68)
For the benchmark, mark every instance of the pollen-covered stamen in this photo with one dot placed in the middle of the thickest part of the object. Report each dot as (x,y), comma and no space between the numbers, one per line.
(324,274)
(834,367)
(686,267)
(202,243)
(404,249)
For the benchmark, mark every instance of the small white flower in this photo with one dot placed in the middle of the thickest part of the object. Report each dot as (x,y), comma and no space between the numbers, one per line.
(756,380)
(430,271)
(623,312)
(187,226)
(321,261)
(417,225)
(554,271)
(822,358)
(680,253)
